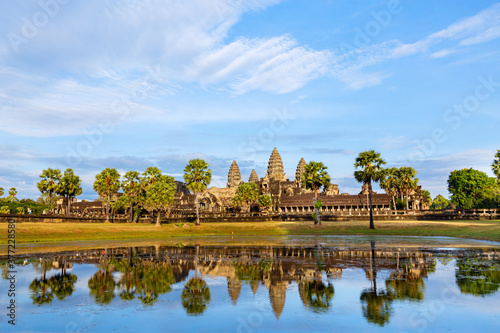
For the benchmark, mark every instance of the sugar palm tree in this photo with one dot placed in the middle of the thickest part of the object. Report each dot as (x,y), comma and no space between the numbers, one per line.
(370,164)
(496,165)
(314,178)
(131,188)
(389,183)
(107,184)
(49,183)
(148,178)
(197,176)
(12,193)
(407,182)
(69,187)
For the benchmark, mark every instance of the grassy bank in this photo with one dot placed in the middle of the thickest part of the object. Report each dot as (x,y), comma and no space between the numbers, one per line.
(61,232)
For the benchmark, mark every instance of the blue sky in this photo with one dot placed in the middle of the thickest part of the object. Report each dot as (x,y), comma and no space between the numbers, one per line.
(129,84)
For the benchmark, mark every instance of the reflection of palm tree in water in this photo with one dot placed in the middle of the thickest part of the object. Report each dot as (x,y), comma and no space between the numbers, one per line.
(40,288)
(101,284)
(315,294)
(196,294)
(376,304)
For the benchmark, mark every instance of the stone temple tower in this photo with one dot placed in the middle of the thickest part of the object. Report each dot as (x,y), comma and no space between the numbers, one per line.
(301,167)
(275,167)
(234,176)
(253,177)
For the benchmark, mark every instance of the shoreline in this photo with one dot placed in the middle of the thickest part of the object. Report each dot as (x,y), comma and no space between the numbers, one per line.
(32,233)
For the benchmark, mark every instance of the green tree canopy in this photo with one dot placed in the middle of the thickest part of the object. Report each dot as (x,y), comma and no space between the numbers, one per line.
(471,188)
(370,165)
(195,296)
(440,202)
(107,184)
(264,201)
(160,195)
(131,186)
(245,194)
(496,165)
(12,194)
(49,183)
(314,178)
(197,176)
(69,187)
(1,191)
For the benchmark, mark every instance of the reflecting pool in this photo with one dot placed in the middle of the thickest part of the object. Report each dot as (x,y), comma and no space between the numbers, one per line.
(352,284)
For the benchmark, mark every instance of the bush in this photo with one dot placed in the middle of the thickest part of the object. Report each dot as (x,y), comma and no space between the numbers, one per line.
(4,210)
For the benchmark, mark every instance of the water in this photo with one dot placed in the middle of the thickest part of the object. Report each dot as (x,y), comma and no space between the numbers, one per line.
(351,284)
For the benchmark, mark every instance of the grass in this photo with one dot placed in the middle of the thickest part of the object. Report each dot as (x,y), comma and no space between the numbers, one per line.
(66,232)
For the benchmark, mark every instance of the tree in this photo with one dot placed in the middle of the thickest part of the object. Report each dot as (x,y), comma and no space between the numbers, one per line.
(370,163)
(406,182)
(245,194)
(12,194)
(148,178)
(1,191)
(314,178)
(131,186)
(49,183)
(471,188)
(427,196)
(69,187)
(264,202)
(107,184)
(197,177)
(389,183)
(440,202)
(496,165)
(160,195)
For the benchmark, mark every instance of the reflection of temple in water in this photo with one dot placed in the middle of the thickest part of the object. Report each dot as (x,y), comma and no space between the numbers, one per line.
(312,268)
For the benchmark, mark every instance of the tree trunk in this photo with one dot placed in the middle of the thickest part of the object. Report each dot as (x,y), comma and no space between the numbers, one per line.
(197,210)
(373,267)
(407,205)
(131,212)
(394,203)
(107,209)
(158,218)
(372,226)
(50,200)
(317,221)
(68,206)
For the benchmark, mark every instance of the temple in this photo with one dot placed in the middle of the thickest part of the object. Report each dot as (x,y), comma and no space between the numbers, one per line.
(288,197)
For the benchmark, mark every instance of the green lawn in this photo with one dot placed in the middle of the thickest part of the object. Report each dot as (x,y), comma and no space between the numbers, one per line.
(58,232)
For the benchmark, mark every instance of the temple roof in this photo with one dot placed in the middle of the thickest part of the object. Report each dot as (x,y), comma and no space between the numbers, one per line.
(275,166)
(234,176)
(253,177)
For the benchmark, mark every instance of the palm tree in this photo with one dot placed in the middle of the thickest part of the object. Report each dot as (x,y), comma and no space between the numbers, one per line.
(12,193)
(407,182)
(496,165)
(389,183)
(370,163)
(131,188)
(49,183)
(1,191)
(313,178)
(107,184)
(148,178)
(69,187)
(197,177)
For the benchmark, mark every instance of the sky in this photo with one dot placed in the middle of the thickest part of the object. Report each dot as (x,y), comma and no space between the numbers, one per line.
(130,84)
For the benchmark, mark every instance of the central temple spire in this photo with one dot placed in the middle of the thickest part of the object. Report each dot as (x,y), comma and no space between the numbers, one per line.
(275,166)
